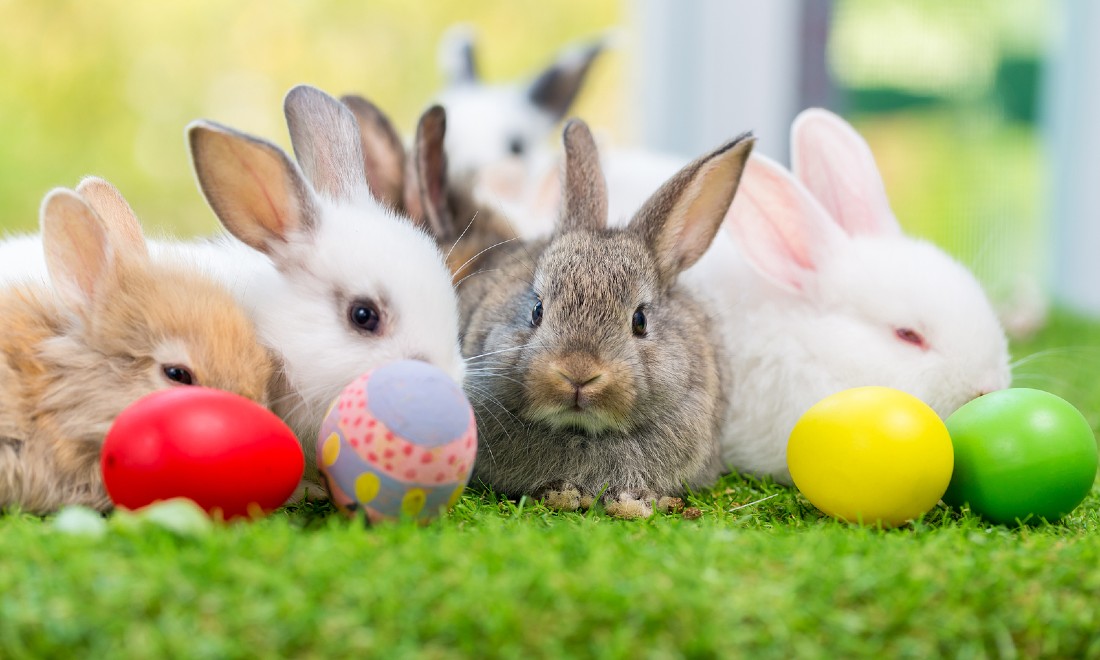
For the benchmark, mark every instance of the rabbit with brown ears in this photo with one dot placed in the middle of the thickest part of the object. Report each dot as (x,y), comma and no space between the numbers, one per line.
(110,327)
(590,369)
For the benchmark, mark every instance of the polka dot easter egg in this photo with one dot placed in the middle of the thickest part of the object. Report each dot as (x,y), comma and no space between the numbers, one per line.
(399,441)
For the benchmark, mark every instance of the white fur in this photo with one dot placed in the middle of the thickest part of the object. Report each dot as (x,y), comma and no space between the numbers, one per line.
(21,258)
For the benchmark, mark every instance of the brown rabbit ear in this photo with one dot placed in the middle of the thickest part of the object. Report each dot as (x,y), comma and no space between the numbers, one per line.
(326,142)
(427,191)
(679,221)
(117,216)
(75,243)
(555,89)
(252,186)
(383,153)
(584,204)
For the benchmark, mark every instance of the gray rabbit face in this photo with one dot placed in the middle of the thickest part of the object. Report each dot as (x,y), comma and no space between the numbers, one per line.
(590,308)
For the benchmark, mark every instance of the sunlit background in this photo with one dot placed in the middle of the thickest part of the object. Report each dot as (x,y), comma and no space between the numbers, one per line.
(950,95)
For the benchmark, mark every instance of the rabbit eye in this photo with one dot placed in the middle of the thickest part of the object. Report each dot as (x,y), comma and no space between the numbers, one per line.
(516,146)
(638,323)
(536,314)
(910,336)
(178,374)
(364,316)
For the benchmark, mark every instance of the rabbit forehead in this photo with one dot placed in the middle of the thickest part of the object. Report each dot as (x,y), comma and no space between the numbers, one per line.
(173,316)
(609,268)
(364,253)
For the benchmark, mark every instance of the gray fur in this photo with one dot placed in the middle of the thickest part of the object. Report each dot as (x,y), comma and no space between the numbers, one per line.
(660,395)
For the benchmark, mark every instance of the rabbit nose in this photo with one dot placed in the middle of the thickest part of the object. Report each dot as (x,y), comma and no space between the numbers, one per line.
(582,392)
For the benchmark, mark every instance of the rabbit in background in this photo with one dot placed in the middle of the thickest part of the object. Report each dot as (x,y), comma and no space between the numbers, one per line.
(110,326)
(816,293)
(505,123)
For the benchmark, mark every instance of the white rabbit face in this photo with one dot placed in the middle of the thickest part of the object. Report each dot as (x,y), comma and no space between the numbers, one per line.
(489,124)
(369,290)
(909,316)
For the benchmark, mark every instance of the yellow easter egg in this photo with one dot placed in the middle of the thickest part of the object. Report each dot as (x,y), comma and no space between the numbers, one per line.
(874,455)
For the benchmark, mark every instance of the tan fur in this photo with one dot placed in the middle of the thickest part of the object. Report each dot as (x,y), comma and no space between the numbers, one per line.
(68,368)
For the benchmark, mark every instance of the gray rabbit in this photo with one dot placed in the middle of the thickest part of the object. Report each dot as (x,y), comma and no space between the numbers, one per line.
(590,369)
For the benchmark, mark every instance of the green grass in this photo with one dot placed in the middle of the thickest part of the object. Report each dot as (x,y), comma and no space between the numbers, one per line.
(767,577)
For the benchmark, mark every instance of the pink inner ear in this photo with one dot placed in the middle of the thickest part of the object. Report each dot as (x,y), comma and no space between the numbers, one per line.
(779,227)
(837,166)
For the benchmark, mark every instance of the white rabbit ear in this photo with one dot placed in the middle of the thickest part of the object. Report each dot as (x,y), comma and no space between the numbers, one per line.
(117,216)
(679,221)
(383,153)
(780,228)
(457,57)
(584,204)
(837,166)
(554,90)
(325,137)
(76,246)
(253,187)
(426,185)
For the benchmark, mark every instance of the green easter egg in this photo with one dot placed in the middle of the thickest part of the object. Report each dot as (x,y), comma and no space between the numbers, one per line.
(1020,455)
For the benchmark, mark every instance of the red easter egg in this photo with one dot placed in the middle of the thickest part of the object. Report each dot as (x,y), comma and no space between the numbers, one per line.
(219,449)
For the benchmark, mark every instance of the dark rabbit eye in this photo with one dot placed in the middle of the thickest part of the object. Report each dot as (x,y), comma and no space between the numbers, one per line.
(638,323)
(910,336)
(516,146)
(536,313)
(364,316)
(178,374)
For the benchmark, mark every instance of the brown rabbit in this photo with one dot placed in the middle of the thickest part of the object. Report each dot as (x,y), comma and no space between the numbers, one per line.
(416,184)
(111,327)
(590,369)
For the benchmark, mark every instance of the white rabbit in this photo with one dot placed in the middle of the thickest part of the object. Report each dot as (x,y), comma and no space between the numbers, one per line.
(493,123)
(814,303)
(347,284)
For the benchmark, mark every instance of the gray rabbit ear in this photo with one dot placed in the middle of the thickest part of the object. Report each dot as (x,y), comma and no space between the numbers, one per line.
(325,137)
(457,57)
(426,191)
(383,152)
(253,187)
(584,203)
(555,89)
(679,221)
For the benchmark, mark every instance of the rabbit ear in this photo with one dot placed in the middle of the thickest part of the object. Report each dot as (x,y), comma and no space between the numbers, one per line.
(117,216)
(252,186)
(75,243)
(679,221)
(837,166)
(383,153)
(778,225)
(555,89)
(426,189)
(457,58)
(584,204)
(326,142)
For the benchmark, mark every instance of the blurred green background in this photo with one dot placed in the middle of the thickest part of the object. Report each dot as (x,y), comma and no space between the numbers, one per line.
(944,91)
(107,87)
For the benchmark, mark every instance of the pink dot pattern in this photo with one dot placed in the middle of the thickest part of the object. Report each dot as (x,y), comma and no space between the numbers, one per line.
(401,458)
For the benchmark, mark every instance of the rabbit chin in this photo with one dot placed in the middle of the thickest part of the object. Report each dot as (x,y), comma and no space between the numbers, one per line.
(590,421)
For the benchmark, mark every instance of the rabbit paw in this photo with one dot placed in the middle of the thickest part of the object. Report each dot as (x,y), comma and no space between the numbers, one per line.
(564,497)
(631,504)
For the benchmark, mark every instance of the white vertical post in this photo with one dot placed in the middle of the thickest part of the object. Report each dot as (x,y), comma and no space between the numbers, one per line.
(1073,125)
(706,70)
